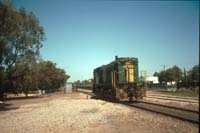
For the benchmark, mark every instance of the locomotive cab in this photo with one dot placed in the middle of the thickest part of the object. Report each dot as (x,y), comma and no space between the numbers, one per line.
(118,80)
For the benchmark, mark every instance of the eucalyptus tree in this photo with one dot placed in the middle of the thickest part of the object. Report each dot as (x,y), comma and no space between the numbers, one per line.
(193,74)
(50,77)
(20,35)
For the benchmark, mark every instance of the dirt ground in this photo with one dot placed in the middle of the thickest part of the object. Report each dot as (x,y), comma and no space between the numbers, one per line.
(74,113)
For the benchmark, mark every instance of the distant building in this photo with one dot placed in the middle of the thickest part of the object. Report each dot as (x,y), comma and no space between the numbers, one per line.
(68,88)
(151,79)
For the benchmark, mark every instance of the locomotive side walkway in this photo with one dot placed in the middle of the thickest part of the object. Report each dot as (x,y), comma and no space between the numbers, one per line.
(77,113)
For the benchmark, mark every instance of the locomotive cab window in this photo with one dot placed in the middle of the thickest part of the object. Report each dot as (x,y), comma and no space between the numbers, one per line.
(129,72)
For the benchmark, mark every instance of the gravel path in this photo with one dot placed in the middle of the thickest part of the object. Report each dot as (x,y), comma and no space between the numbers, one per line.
(66,114)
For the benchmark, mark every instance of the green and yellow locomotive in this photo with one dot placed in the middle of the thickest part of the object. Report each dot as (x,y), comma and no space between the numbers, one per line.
(118,80)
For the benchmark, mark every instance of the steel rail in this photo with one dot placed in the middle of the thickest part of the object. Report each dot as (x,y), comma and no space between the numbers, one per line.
(190,117)
(172,111)
(179,97)
(172,99)
(168,106)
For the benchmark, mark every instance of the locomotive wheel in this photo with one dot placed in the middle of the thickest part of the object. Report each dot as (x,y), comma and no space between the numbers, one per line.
(113,95)
(130,99)
(109,94)
(105,94)
(101,93)
(97,93)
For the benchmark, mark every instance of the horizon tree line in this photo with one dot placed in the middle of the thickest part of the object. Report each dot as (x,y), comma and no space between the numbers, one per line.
(183,77)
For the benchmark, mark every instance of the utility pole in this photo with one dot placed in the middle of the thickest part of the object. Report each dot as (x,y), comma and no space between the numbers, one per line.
(164,66)
(184,77)
(184,74)
(145,77)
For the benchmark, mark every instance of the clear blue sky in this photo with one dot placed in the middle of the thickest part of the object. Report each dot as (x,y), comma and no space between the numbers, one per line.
(84,35)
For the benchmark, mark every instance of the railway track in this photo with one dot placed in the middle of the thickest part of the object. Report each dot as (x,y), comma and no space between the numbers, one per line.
(172,111)
(168,106)
(173,98)
(175,112)
(169,96)
(86,92)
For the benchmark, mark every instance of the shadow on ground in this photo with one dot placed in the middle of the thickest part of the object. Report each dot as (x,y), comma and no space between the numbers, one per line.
(22,98)
(7,107)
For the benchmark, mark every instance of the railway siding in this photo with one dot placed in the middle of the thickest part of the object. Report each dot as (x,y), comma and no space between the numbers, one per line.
(169,96)
(174,99)
(179,113)
(173,111)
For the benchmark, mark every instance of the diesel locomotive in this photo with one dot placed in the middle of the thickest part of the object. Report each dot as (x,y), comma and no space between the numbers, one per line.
(118,80)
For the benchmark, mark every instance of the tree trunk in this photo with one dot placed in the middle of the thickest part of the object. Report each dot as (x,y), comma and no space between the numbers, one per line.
(26,94)
(1,95)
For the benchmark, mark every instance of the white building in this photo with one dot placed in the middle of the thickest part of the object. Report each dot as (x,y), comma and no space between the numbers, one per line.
(68,88)
(153,79)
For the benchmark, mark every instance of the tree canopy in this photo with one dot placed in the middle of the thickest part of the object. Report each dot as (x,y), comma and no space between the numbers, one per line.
(20,34)
(51,78)
(169,75)
(193,74)
(176,74)
(21,68)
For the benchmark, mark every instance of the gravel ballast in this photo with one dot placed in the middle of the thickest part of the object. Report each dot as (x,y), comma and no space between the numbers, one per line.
(66,114)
